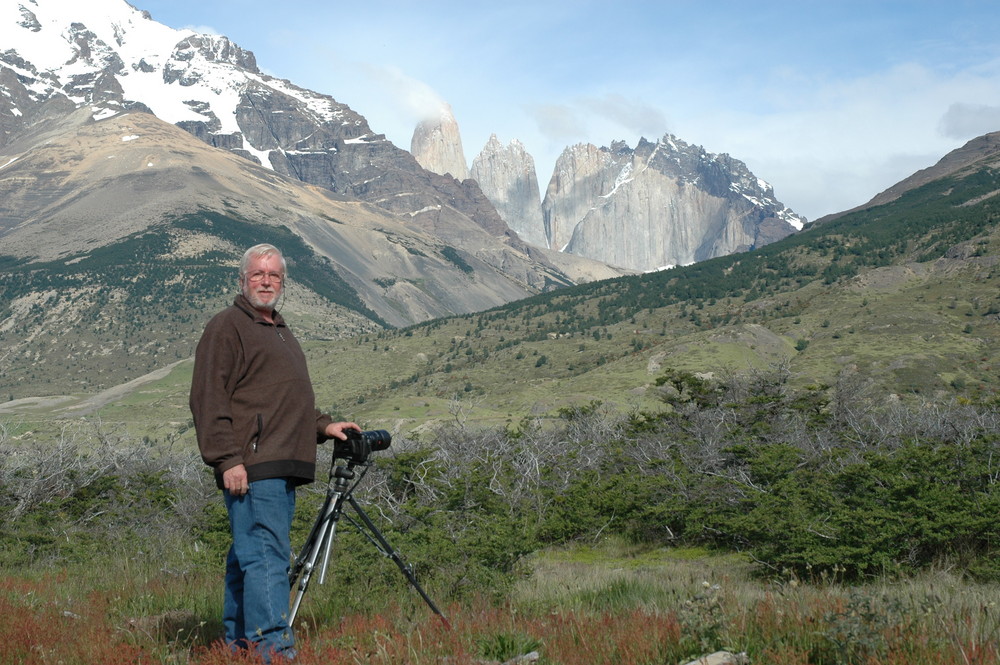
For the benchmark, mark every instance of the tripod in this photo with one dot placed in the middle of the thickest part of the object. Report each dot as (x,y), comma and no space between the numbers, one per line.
(319,543)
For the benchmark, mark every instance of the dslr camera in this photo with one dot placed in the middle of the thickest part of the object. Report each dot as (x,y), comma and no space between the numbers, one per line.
(360,444)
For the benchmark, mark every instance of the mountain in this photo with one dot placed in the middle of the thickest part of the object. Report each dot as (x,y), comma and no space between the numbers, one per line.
(437,145)
(658,205)
(138,161)
(974,152)
(506,174)
(120,230)
(61,55)
(896,302)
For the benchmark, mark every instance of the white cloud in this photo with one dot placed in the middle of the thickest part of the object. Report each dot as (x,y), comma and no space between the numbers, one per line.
(557,122)
(836,144)
(965,121)
(635,116)
(414,96)
(202,29)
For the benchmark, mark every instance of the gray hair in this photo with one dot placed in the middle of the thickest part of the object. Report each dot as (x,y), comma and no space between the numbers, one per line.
(261,250)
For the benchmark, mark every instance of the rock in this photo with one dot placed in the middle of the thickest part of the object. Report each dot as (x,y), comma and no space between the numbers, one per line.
(437,145)
(508,179)
(662,204)
(722,658)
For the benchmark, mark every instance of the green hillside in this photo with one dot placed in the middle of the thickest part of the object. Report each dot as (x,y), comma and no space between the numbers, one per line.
(102,317)
(905,293)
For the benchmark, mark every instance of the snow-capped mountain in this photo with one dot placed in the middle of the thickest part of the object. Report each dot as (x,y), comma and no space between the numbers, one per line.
(150,158)
(111,55)
(58,56)
(63,54)
(114,57)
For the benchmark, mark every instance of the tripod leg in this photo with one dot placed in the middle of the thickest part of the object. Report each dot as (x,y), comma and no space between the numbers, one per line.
(392,554)
(319,541)
(311,539)
(306,569)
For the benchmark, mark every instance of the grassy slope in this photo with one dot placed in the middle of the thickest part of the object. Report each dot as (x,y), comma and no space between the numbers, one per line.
(907,327)
(906,293)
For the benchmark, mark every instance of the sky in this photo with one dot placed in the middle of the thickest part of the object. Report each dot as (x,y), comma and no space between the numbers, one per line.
(830,102)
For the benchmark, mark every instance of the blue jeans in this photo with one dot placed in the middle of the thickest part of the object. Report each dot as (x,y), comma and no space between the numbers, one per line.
(255,608)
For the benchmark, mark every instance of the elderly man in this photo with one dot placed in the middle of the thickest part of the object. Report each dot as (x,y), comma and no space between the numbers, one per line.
(257,427)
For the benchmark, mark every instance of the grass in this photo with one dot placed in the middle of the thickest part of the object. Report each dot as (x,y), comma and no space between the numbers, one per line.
(605,603)
(916,329)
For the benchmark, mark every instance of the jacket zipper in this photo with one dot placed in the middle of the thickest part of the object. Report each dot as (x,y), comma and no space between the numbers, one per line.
(260,428)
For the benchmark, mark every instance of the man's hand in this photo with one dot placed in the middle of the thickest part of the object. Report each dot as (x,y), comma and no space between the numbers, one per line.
(336,430)
(235,480)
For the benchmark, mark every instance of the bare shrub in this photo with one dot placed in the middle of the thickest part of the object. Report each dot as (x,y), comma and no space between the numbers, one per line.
(99,481)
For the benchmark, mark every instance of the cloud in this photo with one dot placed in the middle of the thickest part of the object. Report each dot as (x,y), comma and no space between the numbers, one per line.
(966,121)
(557,122)
(418,98)
(604,116)
(632,115)
(203,30)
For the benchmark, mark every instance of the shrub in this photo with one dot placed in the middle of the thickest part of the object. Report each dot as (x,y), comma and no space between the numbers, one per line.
(818,481)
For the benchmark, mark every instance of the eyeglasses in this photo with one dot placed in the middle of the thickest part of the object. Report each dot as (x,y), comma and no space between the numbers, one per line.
(258,276)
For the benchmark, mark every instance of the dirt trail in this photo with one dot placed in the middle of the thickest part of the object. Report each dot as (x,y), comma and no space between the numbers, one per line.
(86,405)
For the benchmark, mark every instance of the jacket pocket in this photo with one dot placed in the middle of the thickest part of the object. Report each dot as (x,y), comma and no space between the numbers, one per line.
(256,437)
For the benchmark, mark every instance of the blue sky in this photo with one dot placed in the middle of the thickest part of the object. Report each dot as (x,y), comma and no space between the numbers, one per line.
(831,102)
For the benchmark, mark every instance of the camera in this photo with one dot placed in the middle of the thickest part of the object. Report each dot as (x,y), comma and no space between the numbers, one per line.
(360,444)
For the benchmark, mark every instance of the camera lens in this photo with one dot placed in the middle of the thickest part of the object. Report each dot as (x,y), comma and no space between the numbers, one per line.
(377,439)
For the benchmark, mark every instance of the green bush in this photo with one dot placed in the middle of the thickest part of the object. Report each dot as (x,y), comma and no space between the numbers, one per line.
(822,482)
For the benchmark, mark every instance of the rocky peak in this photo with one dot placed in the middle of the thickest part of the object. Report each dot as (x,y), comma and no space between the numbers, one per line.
(215,48)
(437,145)
(659,204)
(28,19)
(98,58)
(580,171)
(506,175)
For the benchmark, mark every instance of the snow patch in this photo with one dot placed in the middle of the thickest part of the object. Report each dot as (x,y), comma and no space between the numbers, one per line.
(99,114)
(624,177)
(263,155)
(425,209)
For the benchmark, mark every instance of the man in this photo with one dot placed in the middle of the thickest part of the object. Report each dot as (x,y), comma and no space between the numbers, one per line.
(257,427)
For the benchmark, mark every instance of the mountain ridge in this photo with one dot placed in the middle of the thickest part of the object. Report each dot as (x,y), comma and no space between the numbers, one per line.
(117,59)
(969,154)
(899,301)
(98,292)
(658,205)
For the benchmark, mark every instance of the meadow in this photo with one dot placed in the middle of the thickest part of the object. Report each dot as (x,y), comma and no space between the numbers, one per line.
(607,603)
(827,526)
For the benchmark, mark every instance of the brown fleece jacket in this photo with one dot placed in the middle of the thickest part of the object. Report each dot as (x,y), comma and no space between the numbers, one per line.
(252,399)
